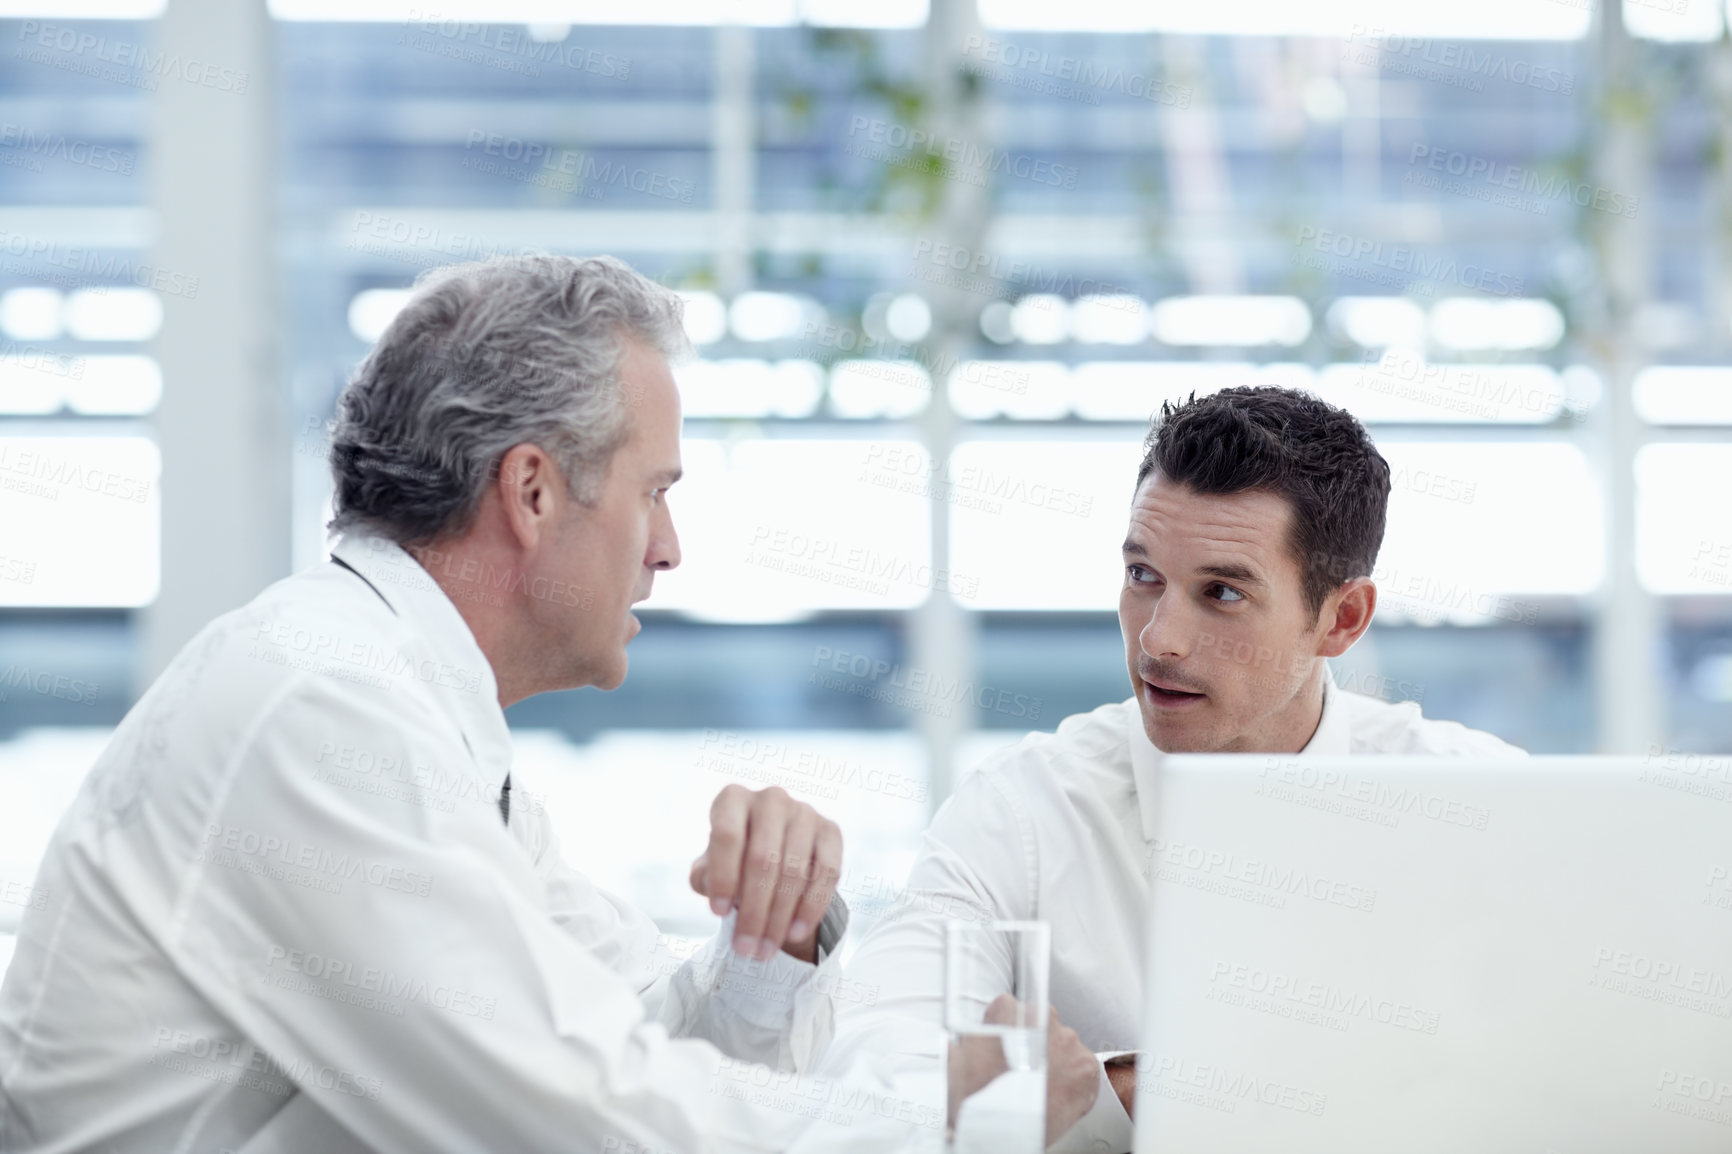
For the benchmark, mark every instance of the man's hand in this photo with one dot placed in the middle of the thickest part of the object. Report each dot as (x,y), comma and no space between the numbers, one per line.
(1073,1078)
(774,859)
(1073,1073)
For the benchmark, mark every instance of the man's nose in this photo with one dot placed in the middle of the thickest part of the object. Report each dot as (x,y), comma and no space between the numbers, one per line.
(664,542)
(1168,633)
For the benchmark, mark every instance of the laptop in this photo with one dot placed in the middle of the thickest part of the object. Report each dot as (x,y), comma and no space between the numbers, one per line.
(1437,956)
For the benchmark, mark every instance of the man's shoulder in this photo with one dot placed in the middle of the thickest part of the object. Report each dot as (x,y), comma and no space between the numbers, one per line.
(328,624)
(1084,747)
(298,625)
(240,681)
(1401,727)
(306,640)
(1060,788)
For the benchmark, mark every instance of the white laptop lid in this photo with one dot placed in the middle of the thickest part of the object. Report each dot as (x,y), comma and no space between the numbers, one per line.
(1435,956)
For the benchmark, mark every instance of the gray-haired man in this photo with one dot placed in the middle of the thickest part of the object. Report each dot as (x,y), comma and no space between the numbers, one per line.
(294,908)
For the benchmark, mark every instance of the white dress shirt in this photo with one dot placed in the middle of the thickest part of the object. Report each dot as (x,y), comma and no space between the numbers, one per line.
(1060,827)
(284,915)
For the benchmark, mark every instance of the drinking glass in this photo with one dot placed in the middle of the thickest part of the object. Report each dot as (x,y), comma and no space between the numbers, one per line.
(996,1061)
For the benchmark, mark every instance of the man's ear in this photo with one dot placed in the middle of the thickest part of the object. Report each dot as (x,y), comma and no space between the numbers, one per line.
(528,487)
(1346,616)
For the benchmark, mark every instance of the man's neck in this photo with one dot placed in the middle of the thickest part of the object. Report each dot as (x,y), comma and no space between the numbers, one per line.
(1315,696)
(1291,729)
(1311,711)
(462,572)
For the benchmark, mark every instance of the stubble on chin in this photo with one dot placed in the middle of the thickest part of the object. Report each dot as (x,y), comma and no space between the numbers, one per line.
(1176,739)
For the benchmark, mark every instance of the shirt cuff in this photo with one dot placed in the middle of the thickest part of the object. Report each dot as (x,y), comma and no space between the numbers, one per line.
(1105,1129)
(766,993)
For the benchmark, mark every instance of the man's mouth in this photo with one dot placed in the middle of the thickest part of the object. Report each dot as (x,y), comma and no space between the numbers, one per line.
(1169,696)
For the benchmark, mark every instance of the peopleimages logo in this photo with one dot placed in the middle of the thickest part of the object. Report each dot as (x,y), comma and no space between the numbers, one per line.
(1362,256)
(1501,175)
(42,682)
(1305,778)
(1277,878)
(540,159)
(919,683)
(514,45)
(874,139)
(1038,70)
(989,274)
(50,146)
(1459,65)
(1338,1004)
(85,262)
(91,52)
(726,752)
(64,473)
(330,866)
(240,1063)
(336,974)
(1232,1086)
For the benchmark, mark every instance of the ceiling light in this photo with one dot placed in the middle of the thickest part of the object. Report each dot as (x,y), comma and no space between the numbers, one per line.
(1230,320)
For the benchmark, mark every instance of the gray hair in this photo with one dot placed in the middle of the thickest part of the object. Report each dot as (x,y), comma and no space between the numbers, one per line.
(486,356)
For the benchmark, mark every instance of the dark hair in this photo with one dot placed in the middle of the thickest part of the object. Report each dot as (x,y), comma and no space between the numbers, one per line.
(1283,441)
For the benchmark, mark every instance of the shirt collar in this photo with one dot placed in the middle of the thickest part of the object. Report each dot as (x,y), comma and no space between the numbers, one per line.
(450,662)
(1332,737)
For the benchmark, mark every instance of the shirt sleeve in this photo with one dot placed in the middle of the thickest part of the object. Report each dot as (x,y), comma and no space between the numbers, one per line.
(975,864)
(778,1012)
(401,963)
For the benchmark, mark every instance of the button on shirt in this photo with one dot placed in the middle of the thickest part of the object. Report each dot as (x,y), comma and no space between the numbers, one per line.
(283,915)
(1060,828)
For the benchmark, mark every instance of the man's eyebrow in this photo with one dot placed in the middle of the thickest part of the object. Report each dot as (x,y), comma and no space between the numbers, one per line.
(1238,574)
(668,476)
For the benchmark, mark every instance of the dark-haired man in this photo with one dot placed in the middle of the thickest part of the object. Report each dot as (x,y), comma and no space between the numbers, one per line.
(1254,528)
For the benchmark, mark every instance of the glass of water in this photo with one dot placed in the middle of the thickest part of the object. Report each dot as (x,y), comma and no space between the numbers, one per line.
(995,1011)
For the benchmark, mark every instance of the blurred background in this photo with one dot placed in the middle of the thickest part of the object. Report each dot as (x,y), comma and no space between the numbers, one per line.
(942,260)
